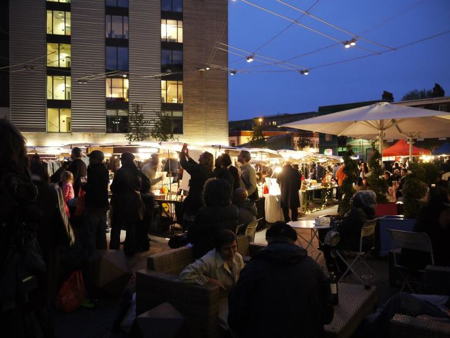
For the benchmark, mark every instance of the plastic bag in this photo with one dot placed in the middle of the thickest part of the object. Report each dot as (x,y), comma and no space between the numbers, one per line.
(72,293)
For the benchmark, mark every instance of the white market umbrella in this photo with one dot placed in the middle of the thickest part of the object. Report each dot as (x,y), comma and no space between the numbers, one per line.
(381,120)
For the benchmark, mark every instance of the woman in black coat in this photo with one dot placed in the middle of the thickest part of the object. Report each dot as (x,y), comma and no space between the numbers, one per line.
(126,203)
(217,214)
(289,181)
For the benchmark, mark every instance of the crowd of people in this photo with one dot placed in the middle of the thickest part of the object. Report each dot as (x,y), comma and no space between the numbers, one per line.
(51,226)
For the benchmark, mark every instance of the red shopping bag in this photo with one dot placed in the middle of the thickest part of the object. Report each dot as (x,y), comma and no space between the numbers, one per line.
(72,293)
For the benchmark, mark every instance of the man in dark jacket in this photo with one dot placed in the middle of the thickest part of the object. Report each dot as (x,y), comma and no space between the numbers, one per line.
(289,181)
(127,205)
(96,201)
(78,169)
(281,293)
(199,172)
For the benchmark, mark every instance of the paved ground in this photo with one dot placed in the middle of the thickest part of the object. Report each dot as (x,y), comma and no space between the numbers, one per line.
(97,323)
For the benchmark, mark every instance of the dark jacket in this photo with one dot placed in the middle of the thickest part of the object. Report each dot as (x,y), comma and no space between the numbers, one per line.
(199,175)
(350,228)
(280,293)
(127,204)
(224,174)
(289,181)
(97,186)
(236,179)
(78,169)
(208,222)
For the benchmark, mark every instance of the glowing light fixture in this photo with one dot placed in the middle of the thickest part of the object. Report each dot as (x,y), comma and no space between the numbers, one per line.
(233,72)
(250,58)
(304,71)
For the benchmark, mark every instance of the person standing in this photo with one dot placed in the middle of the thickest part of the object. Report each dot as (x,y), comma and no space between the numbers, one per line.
(226,163)
(78,169)
(150,168)
(281,292)
(96,201)
(248,175)
(289,181)
(23,310)
(199,172)
(127,205)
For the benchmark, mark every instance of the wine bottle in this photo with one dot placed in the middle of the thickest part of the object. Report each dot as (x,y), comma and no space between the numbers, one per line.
(334,299)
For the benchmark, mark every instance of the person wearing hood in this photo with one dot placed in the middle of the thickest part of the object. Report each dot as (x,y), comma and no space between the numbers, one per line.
(282,292)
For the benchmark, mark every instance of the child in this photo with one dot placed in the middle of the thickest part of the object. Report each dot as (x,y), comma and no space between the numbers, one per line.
(68,192)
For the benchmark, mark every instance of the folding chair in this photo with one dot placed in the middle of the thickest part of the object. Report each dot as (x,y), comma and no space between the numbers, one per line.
(416,241)
(366,245)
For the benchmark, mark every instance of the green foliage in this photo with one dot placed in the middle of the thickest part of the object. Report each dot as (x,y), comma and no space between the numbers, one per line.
(162,130)
(258,139)
(416,185)
(257,132)
(138,127)
(413,190)
(415,94)
(352,173)
(426,172)
(375,180)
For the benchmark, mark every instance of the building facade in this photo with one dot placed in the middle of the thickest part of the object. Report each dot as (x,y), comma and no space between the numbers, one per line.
(78,67)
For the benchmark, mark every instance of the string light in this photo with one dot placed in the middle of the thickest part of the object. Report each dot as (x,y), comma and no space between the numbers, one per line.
(233,72)
(350,43)
(304,71)
(250,58)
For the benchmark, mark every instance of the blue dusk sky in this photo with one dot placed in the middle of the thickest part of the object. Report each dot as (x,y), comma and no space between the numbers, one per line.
(264,88)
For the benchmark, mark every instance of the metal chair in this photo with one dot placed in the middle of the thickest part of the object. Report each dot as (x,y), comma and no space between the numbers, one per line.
(416,241)
(366,245)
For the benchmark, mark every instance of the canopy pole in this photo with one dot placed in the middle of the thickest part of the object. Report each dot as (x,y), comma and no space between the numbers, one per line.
(410,143)
(380,145)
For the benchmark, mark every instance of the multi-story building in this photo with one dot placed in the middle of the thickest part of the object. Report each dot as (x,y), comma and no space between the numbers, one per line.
(77,68)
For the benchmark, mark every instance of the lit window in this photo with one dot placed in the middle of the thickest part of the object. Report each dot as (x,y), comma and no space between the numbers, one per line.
(116,27)
(58,23)
(172,91)
(59,88)
(59,120)
(58,55)
(176,120)
(171,57)
(117,88)
(116,58)
(172,5)
(172,30)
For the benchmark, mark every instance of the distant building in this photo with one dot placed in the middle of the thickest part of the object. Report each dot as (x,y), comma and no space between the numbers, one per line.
(241,132)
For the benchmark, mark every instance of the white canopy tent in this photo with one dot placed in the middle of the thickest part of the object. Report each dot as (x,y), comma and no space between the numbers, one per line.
(381,120)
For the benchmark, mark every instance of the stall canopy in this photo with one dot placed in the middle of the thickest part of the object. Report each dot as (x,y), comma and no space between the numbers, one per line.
(401,148)
(381,120)
(443,149)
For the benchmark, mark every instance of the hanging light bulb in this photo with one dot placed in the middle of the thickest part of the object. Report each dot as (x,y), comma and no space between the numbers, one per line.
(353,42)
(207,68)
(304,71)
(347,44)
(233,72)
(250,58)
